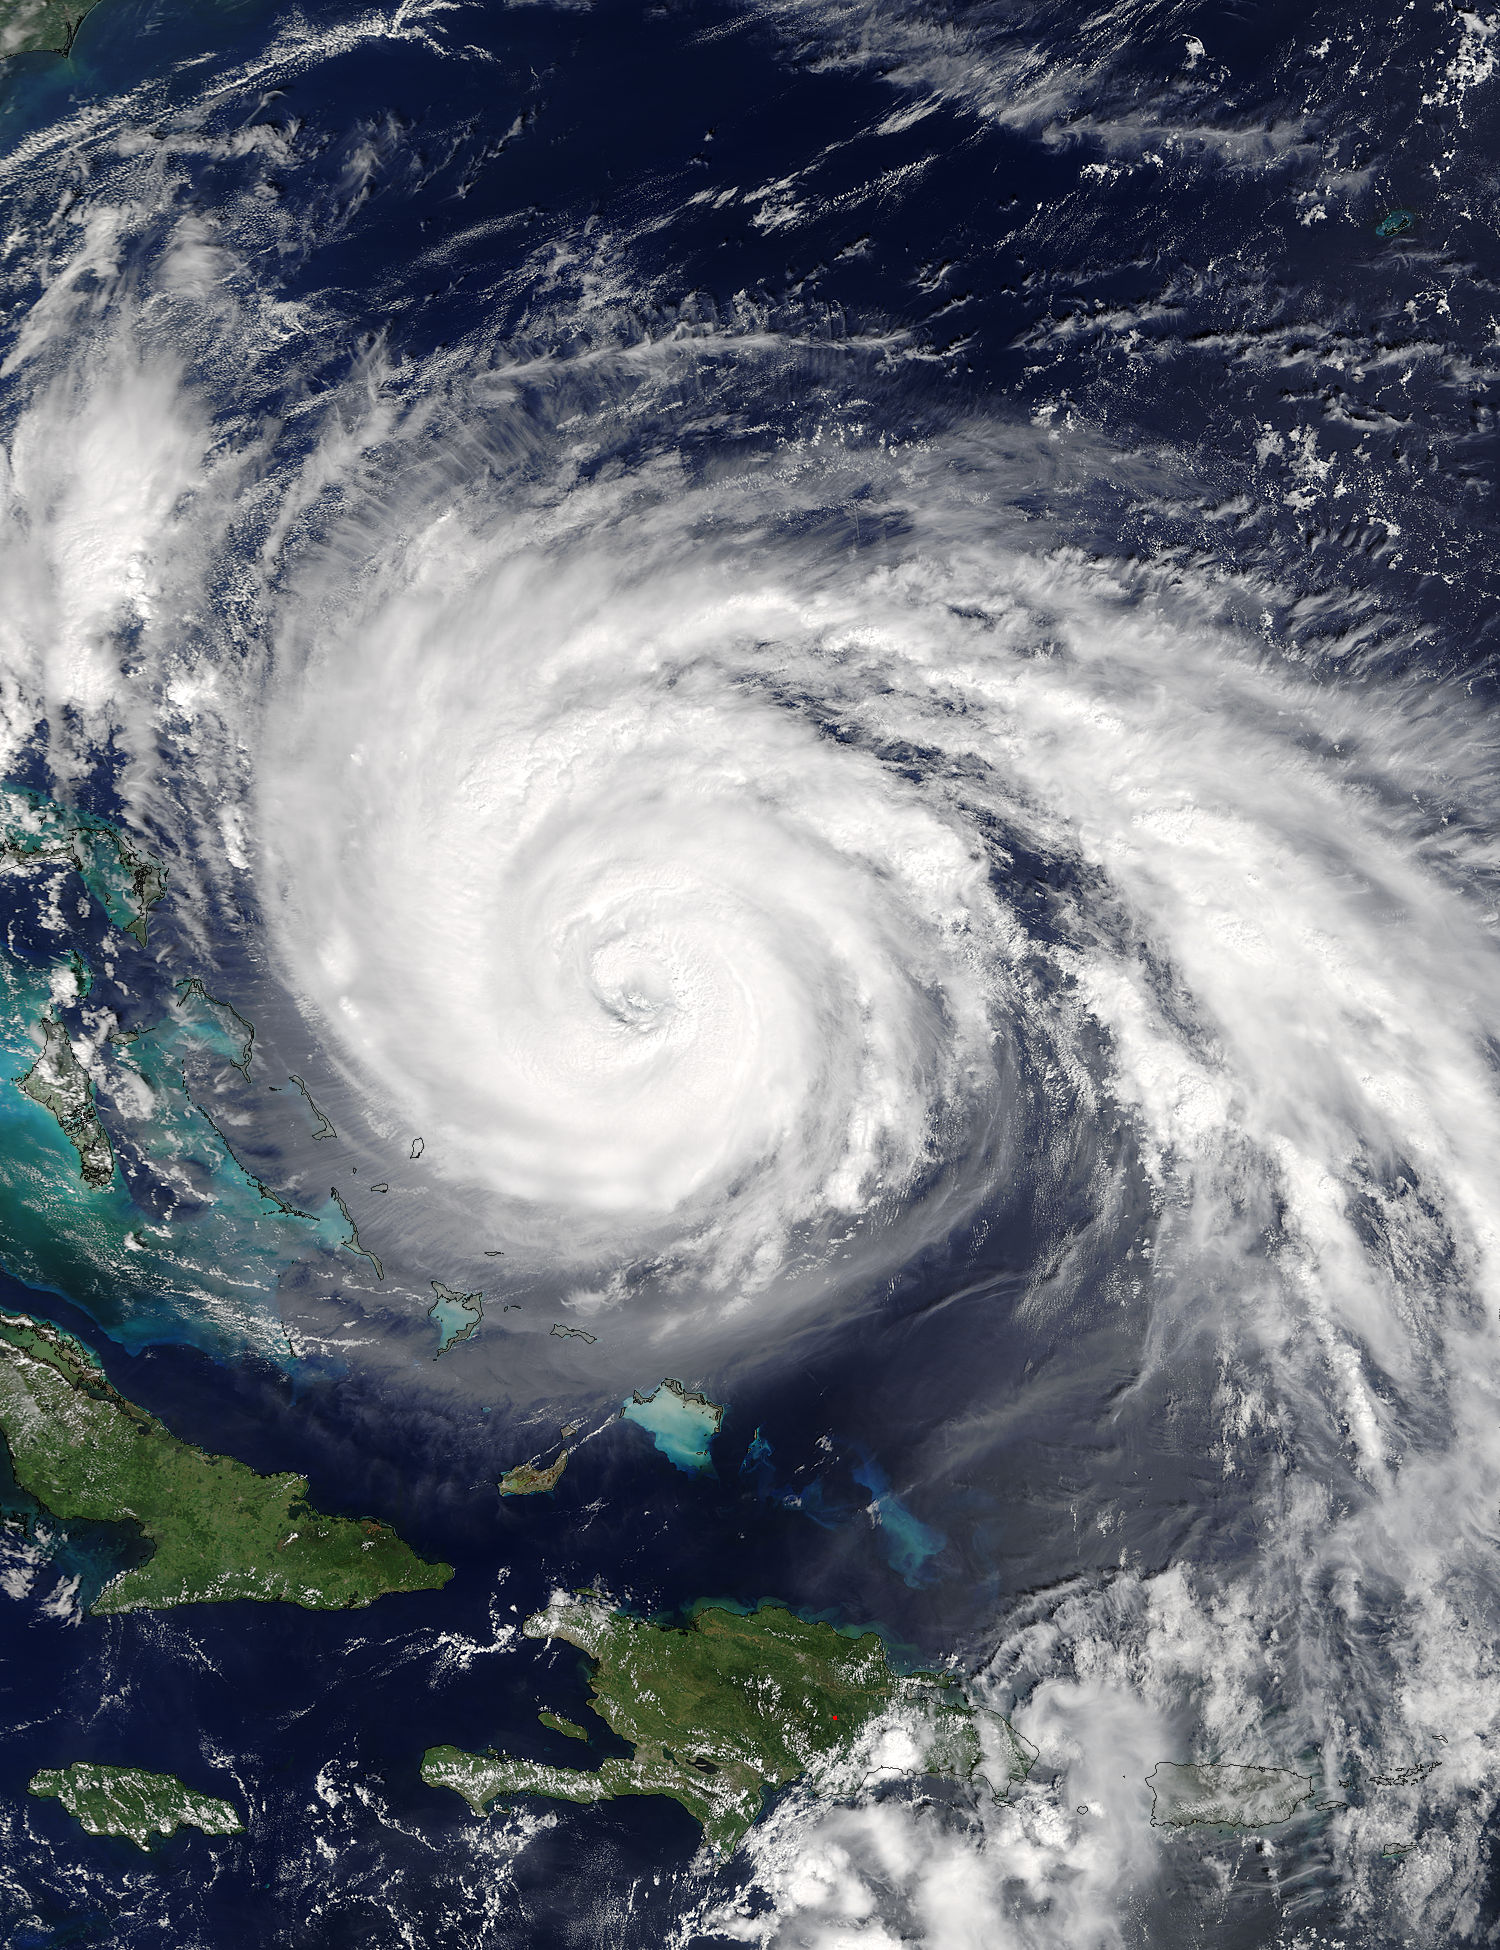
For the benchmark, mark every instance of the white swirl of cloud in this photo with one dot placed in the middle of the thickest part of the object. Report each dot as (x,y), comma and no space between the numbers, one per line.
(643,954)
(650,778)
(720,892)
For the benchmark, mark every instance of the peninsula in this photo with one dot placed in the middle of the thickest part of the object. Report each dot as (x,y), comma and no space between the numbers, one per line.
(719,1711)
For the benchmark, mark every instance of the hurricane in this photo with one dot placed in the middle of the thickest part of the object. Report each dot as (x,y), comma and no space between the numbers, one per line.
(764,848)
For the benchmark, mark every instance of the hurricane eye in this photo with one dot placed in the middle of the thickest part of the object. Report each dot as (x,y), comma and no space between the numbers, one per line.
(635,1010)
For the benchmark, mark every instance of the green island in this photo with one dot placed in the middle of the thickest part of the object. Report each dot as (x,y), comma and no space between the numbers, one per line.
(1221,1795)
(60,1084)
(127,1801)
(723,1709)
(524,1480)
(559,1725)
(218,1529)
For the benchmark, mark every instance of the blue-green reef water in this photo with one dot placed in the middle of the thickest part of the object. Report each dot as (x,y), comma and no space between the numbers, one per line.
(681,1423)
(802,697)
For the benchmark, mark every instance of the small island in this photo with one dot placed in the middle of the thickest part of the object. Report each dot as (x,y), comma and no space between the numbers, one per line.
(218,1530)
(236,1036)
(351,1243)
(455,1314)
(127,1801)
(325,1126)
(681,1423)
(524,1480)
(721,1710)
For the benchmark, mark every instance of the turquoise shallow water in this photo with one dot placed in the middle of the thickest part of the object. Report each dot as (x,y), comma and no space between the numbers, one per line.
(1119,281)
(183,1244)
(455,1315)
(681,1424)
(909,1544)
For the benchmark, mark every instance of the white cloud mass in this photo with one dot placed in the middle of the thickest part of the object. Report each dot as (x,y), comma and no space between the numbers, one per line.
(746,873)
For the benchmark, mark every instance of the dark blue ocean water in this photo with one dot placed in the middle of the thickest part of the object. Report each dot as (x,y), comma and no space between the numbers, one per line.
(1165,286)
(279,1698)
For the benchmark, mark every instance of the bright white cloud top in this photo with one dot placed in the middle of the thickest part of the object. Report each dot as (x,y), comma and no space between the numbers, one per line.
(663,966)
(749,873)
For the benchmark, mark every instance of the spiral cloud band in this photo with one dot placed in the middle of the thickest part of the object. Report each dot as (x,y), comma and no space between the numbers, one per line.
(656,962)
(746,877)
(730,900)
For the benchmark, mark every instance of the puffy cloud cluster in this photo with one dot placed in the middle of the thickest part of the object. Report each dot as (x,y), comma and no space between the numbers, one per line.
(1058,1861)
